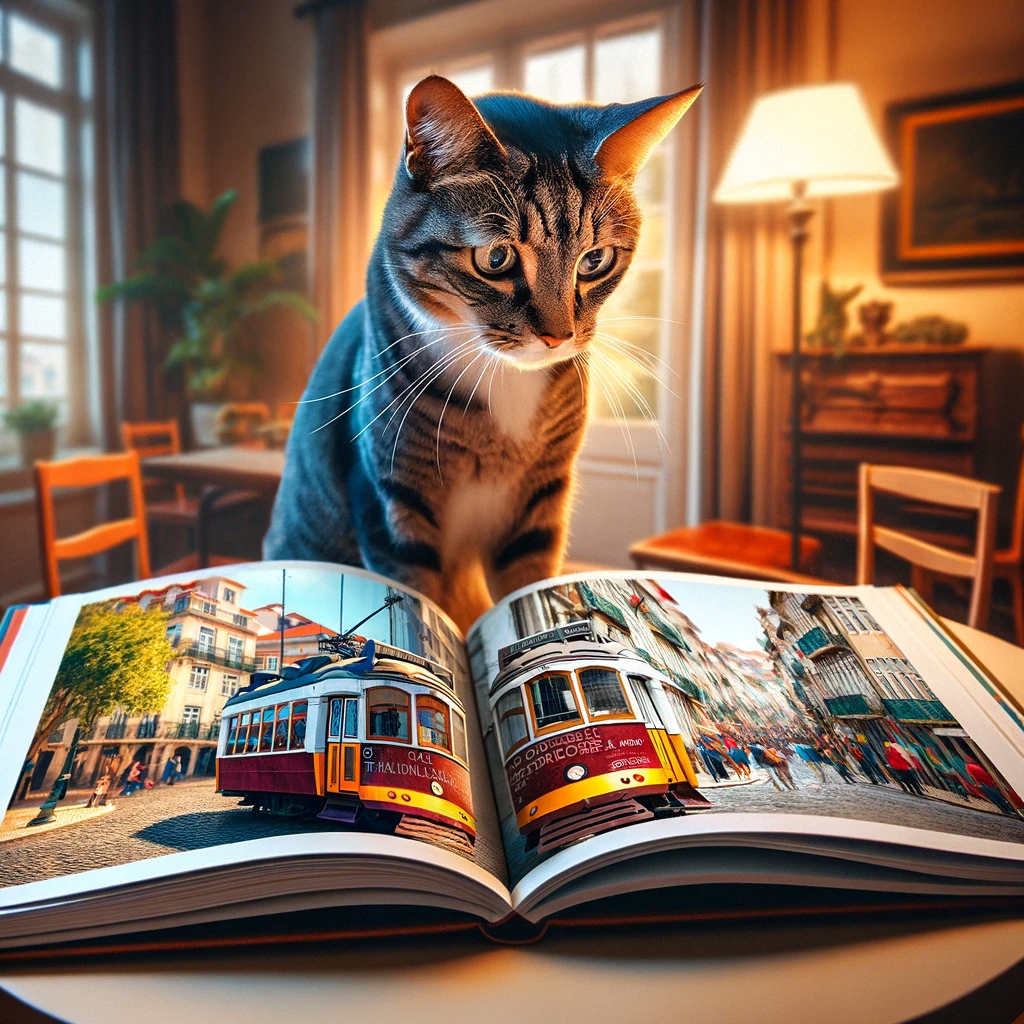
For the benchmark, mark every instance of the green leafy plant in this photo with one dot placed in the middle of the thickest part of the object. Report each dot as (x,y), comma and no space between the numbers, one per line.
(203,303)
(34,415)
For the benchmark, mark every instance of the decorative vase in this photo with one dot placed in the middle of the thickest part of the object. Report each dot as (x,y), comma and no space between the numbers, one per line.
(204,422)
(37,445)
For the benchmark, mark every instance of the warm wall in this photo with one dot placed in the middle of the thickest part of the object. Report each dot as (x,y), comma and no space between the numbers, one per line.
(245,82)
(904,49)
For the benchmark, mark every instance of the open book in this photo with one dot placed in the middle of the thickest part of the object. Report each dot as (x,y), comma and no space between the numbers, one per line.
(276,749)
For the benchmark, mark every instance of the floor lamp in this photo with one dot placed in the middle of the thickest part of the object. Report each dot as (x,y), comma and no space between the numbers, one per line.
(800,144)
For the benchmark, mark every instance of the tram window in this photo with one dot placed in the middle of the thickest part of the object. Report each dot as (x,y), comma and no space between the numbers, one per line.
(351,718)
(602,690)
(252,745)
(511,720)
(300,709)
(553,700)
(334,729)
(229,743)
(387,714)
(281,728)
(432,722)
(267,730)
(459,736)
(243,733)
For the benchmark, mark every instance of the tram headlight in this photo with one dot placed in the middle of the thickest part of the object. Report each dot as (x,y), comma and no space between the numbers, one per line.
(575,772)
(436,788)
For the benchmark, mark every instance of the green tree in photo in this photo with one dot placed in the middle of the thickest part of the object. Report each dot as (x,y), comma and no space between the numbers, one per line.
(114,661)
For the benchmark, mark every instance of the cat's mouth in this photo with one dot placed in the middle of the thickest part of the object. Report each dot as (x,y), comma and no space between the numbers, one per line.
(534,352)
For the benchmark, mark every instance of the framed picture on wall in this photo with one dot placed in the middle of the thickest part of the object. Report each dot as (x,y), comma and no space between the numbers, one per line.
(958,214)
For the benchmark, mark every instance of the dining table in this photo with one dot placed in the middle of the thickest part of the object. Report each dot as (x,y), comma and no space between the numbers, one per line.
(217,472)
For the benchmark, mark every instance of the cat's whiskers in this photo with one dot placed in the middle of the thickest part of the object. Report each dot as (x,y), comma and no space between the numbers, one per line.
(409,387)
(433,330)
(443,364)
(448,398)
(630,353)
(637,396)
(620,417)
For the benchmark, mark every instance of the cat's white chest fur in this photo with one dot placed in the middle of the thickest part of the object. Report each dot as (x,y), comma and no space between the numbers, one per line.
(476,515)
(514,399)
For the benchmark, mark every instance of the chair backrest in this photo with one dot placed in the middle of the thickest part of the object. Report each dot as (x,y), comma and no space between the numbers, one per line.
(89,471)
(939,489)
(154,437)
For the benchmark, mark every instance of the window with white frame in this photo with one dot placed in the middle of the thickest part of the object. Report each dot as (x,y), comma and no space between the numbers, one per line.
(198,677)
(190,714)
(45,133)
(228,685)
(613,62)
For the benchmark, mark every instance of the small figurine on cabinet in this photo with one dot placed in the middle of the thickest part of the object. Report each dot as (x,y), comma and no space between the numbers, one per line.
(830,327)
(873,318)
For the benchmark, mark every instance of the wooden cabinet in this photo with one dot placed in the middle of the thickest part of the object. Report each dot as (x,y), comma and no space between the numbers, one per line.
(901,405)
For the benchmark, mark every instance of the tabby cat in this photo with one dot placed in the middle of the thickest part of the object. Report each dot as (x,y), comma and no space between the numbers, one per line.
(437,436)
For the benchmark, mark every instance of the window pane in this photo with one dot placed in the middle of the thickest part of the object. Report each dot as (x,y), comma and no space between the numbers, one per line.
(3,311)
(553,700)
(3,194)
(3,126)
(42,316)
(3,369)
(40,206)
(40,264)
(628,67)
(473,81)
(602,691)
(44,370)
(557,75)
(39,137)
(35,51)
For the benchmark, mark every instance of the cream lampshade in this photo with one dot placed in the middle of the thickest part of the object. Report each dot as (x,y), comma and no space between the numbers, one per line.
(819,135)
(815,140)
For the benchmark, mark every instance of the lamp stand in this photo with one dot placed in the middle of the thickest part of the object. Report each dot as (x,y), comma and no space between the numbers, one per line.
(798,214)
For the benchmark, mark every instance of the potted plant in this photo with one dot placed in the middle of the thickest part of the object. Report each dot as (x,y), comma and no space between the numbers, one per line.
(205,305)
(35,423)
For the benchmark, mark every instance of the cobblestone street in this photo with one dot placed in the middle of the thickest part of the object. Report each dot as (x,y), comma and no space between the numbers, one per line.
(189,816)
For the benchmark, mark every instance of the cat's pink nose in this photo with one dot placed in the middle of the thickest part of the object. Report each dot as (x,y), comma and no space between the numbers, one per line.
(553,342)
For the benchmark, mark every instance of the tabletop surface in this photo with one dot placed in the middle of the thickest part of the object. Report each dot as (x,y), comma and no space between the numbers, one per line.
(793,974)
(235,465)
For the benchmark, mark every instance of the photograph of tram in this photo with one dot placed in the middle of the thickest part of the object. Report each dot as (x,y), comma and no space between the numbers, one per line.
(607,702)
(365,734)
(246,704)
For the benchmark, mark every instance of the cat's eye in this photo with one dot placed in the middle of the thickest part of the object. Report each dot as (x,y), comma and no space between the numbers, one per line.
(496,259)
(595,262)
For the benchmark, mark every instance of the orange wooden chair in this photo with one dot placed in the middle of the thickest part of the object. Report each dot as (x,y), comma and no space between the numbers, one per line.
(89,471)
(160,437)
(926,558)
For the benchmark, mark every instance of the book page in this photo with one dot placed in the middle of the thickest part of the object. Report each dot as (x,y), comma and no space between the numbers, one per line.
(197,721)
(621,707)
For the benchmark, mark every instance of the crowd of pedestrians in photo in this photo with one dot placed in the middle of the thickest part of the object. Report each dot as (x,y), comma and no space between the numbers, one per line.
(728,756)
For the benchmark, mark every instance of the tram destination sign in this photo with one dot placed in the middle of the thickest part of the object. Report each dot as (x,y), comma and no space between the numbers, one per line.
(570,631)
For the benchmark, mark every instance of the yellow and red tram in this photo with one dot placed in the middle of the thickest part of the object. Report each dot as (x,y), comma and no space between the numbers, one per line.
(592,737)
(371,740)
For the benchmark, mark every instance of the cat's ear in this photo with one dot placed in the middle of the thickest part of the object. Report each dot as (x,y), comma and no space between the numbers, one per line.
(637,128)
(444,132)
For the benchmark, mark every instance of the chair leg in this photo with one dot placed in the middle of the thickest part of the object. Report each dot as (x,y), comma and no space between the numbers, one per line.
(923,582)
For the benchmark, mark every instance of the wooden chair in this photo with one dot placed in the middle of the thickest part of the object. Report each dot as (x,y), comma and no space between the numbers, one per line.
(89,471)
(160,437)
(1008,562)
(938,489)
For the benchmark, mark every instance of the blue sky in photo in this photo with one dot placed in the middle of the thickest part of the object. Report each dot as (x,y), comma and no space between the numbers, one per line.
(721,613)
(316,595)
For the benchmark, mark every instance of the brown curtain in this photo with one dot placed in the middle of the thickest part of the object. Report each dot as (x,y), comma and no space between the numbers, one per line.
(135,86)
(338,223)
(754,46)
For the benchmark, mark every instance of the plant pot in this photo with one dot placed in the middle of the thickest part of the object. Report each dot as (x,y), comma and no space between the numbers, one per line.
(204,423)
(37,445)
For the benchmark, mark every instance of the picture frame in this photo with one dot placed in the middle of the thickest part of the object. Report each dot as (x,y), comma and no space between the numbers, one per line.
(958,213)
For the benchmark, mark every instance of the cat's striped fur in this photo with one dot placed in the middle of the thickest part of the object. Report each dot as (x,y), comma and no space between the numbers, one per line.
(437,435)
